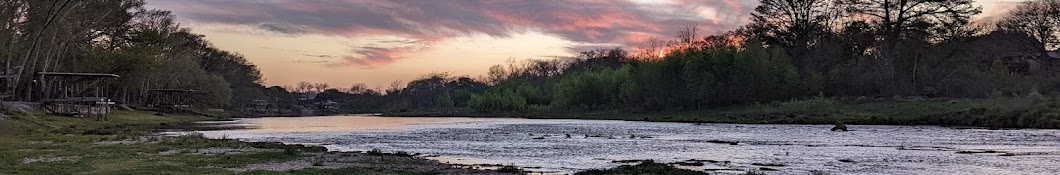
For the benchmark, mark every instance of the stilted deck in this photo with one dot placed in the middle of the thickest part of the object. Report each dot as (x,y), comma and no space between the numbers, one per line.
(74,94)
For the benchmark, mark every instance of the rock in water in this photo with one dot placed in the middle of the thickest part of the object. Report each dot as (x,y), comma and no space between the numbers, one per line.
(839,127)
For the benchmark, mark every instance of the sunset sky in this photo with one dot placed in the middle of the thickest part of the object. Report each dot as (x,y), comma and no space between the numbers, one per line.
(342,42)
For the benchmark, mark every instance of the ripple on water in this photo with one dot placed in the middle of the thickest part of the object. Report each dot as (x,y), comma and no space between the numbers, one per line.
(572,145)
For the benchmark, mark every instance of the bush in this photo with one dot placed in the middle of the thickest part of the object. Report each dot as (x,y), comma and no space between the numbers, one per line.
(515,95)
(648,167)
(510,169)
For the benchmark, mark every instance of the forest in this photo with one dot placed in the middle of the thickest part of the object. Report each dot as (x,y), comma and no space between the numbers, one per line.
(146,47)
(791,50)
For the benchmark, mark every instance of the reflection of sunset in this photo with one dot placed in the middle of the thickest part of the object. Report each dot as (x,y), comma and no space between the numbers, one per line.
(347,123)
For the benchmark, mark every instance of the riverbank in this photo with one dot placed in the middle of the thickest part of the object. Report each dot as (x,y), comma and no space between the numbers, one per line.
(129,143)
(1034,111)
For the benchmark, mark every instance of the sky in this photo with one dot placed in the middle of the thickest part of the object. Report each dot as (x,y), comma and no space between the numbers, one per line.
(378,42)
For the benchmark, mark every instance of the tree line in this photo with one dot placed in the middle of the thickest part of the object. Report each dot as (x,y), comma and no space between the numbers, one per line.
(792,49)
(146,47)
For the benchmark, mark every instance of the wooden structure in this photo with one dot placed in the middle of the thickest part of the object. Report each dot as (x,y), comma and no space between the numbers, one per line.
(74,94)
(171,100)
(7,84)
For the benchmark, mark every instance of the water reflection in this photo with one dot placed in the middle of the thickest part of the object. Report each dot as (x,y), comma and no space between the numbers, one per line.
(545,145)
(346,123)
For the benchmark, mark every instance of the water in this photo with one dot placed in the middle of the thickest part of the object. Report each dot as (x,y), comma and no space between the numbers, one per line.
(542,144)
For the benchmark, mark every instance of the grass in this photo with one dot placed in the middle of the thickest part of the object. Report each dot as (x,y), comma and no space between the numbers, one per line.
(647,167)
(998,112)
(120,145)
(127,144)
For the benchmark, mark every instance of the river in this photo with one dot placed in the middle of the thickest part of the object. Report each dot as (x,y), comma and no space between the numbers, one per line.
(544,146)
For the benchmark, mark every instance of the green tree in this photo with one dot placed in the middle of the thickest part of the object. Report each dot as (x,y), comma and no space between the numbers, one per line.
(444,100)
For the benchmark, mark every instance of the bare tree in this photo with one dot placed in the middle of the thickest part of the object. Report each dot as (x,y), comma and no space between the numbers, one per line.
(496,74)
(687,36)
(359,88)
(395,87)
(1038,18)
(320,87)
(897,19)
(798,26)
(303,87)
(793,23)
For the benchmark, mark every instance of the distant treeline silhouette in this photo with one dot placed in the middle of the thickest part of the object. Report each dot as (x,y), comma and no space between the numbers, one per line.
(792,49)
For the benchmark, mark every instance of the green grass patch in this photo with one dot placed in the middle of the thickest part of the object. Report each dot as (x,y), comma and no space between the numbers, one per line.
(997,112)
(127,143)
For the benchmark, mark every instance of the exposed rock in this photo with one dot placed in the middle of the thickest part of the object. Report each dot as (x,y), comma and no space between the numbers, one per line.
(840,127)
(768,169)
(768,164)
(688,163)
(170,152)
(226,151)
(723,142)
(146,139)
(360,161)
(627,161)
(49,159)
(978,152)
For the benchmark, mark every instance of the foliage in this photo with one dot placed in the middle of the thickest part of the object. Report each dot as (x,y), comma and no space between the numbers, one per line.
(1037,18)
(647,167)
(146,47)
(445,100)
(595,89)
(510,95)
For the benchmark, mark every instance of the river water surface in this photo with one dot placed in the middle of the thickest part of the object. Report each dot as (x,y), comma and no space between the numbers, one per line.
(543,145)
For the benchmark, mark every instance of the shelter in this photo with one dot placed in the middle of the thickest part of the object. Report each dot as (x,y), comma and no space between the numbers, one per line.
(171,100)
(74,94)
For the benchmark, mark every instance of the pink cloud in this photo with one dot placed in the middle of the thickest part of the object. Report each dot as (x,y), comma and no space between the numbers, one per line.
(429,21)
(372,57)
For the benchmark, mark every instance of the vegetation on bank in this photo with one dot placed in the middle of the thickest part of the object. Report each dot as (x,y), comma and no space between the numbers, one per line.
(814,61)
(647,167)
(1032,111)
(128,144)
(147,48)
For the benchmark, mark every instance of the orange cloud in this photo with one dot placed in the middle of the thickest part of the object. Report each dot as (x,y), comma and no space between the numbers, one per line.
(594,22)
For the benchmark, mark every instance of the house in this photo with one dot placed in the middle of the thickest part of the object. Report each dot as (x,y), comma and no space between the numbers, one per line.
(308,96)
(261,107)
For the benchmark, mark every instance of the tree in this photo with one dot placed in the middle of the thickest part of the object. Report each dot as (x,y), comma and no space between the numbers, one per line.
(359,88)
(795,25)
(320,87)
(899,19)
(792,23)
(905,29)
(1037,18)
(444,100)
(303,87)
(686,37)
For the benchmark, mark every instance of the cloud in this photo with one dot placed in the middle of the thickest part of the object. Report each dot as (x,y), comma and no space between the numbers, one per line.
(312,61)
(422,22)
(281,49)
(281,28)
(372,57)
(319,56)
